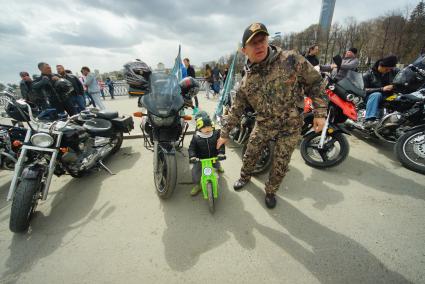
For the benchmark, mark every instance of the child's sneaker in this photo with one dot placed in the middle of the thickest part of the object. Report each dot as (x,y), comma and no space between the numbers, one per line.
(195,111)
(195,190)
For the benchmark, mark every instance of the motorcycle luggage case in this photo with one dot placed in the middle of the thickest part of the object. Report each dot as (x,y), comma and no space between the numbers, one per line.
(124,123)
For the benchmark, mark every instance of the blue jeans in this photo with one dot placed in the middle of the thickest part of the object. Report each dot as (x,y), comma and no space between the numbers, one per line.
(80,102)
(372,105)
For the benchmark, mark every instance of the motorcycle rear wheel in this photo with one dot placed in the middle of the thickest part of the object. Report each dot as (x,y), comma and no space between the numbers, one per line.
(320,158)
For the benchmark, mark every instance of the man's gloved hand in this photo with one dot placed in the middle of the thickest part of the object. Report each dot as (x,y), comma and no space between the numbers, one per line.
(193,160)
(221,157)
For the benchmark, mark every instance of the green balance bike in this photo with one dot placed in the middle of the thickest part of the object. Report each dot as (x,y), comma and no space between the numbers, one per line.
(209,181)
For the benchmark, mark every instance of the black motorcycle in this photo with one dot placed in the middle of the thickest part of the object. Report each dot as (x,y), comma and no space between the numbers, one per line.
(400,111)
(410,146)
(240,135)
(71,146)
(11,141)
(164,128)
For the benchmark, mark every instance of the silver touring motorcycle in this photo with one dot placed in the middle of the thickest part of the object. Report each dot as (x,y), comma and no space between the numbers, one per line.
(73,145)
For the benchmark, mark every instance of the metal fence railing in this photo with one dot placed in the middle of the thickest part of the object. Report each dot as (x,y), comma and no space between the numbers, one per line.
(121,87)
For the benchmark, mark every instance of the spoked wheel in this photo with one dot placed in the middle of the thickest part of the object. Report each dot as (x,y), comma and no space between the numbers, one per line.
(410,150)
(265,159)
(24,204)
(335,150)
(165,175)
(211,205)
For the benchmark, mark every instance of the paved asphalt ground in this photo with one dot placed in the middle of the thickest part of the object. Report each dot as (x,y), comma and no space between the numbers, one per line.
(361,222)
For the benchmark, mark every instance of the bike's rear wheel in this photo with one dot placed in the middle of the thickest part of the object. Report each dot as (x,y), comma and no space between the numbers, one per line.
(211,205)
(166,174)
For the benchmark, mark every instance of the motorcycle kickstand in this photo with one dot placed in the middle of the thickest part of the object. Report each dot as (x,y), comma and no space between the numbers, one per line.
(105,167)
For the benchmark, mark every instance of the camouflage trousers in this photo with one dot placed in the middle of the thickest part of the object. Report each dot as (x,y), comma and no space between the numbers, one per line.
(284,147)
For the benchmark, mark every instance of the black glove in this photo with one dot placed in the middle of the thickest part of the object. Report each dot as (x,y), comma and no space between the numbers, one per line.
(193,160)
(221,157)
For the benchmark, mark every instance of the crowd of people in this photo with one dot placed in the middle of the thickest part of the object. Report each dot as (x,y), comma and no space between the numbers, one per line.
(276,116)
(377,80)
(64,91)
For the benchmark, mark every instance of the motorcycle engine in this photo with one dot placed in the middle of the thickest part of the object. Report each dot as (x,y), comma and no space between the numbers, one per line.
(389,125)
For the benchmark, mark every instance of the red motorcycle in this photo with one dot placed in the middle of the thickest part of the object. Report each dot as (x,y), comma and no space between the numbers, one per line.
(330,147)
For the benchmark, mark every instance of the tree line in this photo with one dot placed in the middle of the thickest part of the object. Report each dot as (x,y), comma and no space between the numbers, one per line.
(401,33)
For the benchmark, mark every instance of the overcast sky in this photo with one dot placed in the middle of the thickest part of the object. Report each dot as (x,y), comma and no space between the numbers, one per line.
(105,34)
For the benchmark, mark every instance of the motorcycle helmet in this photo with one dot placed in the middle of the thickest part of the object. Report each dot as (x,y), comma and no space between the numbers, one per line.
(63,87)
(137,74)
(189,87)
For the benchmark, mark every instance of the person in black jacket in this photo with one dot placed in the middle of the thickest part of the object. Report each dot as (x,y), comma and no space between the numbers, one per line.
(43,87)
(311,55)
(191,73)
(77,96)
(25,86)
(377,83)
(203,146)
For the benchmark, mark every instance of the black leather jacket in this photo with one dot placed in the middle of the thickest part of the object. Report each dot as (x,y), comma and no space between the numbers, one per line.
(204,148)
(43,88)
(76,84)
(374,81)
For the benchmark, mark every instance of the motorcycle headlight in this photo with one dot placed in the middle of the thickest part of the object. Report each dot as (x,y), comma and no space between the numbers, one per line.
(162,121)
(207,171)
(42,140)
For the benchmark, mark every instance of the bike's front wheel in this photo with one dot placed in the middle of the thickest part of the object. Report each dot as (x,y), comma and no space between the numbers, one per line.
(211,205)
(165,174)
(24,203)
(335,150)
(410,150)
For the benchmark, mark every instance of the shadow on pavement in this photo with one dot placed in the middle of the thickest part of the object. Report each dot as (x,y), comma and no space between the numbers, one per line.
(191,229)
(331,256)
(71,210)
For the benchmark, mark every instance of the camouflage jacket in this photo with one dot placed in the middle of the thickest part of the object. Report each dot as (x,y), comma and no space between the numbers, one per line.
(275,89)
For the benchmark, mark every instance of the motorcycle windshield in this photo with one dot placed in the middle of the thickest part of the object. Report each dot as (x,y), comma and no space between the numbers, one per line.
(164,98)
(353,82)
(407,80)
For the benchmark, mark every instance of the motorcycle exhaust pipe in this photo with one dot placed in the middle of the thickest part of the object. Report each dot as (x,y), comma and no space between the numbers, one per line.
(354,124)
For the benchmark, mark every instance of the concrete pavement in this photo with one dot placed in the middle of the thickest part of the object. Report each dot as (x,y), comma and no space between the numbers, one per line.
(361,222)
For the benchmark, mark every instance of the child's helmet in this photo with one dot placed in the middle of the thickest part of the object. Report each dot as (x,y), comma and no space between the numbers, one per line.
(203,121)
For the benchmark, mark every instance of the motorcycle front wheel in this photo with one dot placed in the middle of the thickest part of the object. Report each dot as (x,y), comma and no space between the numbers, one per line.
(335,150)
(24,203)
(265,159)
(410,150)
(165,174)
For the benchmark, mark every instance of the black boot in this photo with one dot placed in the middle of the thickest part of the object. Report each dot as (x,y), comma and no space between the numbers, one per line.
(240,183)
(270,200)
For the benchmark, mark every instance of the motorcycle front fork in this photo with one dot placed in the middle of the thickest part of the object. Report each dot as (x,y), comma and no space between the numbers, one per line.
(324,131)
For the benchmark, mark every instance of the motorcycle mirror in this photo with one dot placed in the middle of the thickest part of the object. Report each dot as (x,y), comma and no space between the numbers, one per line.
(187,117)
(139,114)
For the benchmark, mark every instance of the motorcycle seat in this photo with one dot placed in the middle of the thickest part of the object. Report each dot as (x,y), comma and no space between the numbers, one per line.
(413,98)
(107,114)
(98,127)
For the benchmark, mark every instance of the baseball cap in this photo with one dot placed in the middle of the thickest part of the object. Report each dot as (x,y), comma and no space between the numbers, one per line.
(252,30)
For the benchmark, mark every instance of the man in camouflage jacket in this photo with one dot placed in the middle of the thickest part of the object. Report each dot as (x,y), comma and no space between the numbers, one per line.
(274,86)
